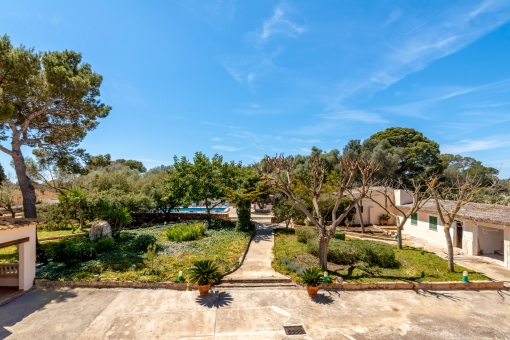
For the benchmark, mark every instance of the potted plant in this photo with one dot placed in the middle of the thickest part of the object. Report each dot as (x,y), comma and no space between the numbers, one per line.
(384,218)
(204,273)
(312,278)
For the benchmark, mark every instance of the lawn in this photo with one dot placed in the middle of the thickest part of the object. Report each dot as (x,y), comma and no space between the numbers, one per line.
(224,245)
(10,254)
(43,233)
(415,264)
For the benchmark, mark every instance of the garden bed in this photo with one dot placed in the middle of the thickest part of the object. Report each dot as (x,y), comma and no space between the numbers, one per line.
(126,260)
(412,264)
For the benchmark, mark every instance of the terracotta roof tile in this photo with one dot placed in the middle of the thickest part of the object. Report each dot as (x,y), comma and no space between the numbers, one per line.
(12,223)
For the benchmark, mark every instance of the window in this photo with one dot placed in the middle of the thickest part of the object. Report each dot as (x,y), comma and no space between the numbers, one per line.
(414,219)
(433,222)
(361,209)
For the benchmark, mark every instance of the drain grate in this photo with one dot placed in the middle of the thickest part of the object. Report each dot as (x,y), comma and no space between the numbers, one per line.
(294,330)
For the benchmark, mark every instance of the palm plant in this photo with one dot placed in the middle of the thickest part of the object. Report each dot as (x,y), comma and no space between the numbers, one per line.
(204,272)
(312,277)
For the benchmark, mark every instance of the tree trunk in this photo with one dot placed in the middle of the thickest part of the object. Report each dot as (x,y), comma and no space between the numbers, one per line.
(25,185)
(361,219)
(399,236)
(80,215)
(323,252)
(449,245)
(209,219)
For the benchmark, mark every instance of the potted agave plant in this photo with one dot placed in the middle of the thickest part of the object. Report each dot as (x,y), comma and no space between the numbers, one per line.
(312,278)
(204,273)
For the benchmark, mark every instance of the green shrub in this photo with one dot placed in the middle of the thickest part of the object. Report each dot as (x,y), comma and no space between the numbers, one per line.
(339,235)
(339,252)
(104,244)
(312,276)
(309,223)
(377,253)
(74,250)
(292,266)
(186,232)
(306,233)
(349,252)
(298,221)
(141,242)
(218,224)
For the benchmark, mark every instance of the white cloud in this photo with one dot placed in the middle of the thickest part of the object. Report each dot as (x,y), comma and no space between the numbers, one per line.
(355,115)
(307,141)
(432,39)
(216,139)
(248,68)
(279,24)
(394,16)
(226,148)
(468,145)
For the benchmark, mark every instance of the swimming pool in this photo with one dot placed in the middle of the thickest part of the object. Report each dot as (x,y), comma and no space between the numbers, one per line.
(200,210)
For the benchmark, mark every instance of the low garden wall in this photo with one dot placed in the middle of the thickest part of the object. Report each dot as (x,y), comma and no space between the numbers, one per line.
(400,285)
(149,218)
(115,284)
(473,285)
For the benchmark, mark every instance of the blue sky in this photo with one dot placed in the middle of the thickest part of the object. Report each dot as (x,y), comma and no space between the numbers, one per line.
(249,78)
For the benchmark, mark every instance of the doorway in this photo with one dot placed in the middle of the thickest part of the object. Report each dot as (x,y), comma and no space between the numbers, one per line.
(458,232)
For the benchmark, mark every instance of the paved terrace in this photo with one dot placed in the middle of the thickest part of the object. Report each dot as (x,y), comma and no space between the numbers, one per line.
(255,314)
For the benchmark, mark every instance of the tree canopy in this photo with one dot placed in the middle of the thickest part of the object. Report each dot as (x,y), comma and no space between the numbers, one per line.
(49,101)
(419,156)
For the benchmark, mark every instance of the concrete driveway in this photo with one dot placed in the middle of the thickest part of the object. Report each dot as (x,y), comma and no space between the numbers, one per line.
(255,314)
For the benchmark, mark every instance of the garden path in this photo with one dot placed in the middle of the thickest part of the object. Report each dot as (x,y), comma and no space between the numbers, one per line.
(256,267)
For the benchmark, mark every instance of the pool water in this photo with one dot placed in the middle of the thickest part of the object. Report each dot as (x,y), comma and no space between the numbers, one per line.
(200,209)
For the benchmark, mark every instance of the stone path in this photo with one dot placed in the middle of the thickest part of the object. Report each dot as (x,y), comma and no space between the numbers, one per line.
(256,267)
(482,264)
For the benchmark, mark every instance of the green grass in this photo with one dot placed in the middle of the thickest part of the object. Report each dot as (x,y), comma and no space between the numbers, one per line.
(416,264)
(43,233)
(9,255)
(222,245)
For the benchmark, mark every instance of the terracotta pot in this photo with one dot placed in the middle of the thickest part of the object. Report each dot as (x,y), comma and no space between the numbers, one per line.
(312,290)
(204,290)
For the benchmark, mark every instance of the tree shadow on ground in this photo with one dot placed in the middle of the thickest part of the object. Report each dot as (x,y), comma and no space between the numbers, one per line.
(325,298)
(215,299)
(30,302)
(438,295)
(505,296)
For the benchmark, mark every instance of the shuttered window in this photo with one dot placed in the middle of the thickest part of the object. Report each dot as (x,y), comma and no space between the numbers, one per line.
(414,219)
(433,222)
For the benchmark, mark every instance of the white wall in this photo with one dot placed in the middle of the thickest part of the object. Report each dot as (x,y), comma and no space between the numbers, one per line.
(372,211)
(422,229)
(507,247)
(26,253)
(490,239)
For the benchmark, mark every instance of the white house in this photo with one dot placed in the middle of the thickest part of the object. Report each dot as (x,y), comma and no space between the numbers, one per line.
(21,233)
(479,229)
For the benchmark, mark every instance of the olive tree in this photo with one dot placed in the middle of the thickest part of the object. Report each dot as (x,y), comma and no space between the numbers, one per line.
(48,101)
(461,192)
(280,173)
